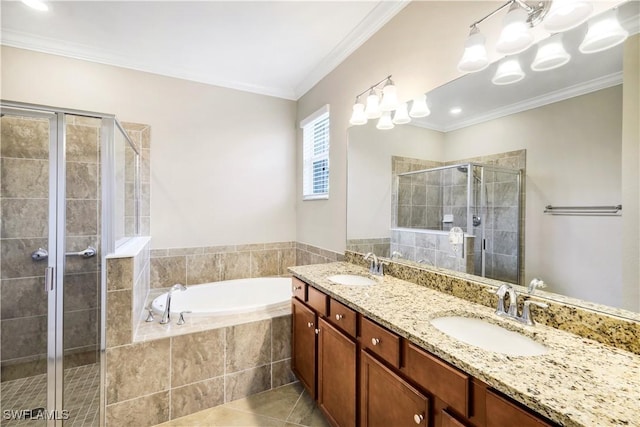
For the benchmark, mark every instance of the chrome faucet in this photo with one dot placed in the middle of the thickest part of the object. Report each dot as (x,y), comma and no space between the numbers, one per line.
(166,318)
(535,284)
(376,266)
(512,312)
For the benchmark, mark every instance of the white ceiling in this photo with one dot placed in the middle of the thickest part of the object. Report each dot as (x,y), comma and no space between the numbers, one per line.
(277,48)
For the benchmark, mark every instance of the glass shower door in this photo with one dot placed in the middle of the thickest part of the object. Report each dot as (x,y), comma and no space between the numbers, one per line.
(28,163)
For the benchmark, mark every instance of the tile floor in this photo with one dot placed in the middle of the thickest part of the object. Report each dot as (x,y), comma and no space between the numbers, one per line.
(286,406)
(81,394)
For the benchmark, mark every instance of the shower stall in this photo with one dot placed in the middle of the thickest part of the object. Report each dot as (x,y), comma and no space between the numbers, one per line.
(69,194)
(483,200)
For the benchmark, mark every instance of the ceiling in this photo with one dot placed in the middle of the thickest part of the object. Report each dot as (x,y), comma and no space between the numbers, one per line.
(276,48)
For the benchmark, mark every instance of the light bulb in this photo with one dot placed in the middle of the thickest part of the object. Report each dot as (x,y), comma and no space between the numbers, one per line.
(564,15)
(373,106)
(509,71)
(419,107)
(515,36)
(604,32)
(389,97)
(551,54)
(358,117)
(385,123)
(401,115)
(475,56)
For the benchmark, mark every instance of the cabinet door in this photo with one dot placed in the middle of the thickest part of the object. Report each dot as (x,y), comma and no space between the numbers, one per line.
(387,400)
(501,412)
(337,375)
(303,353)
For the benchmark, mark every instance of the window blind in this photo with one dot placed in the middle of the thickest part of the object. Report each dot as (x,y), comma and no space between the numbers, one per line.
(315,179)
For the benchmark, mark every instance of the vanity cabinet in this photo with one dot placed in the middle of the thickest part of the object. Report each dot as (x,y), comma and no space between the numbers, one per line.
(387,399)
(364,374)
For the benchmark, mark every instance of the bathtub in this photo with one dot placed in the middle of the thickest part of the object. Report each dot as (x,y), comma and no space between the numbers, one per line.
(229,297)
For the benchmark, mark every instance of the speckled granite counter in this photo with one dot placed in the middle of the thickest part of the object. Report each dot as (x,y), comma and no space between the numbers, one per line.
(579,382)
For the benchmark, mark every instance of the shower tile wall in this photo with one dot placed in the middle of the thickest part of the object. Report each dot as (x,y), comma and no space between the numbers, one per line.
(140,134)
(24,205)
(380,247)
(501,222)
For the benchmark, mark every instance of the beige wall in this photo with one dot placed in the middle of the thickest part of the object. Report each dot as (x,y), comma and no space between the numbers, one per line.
(223,161)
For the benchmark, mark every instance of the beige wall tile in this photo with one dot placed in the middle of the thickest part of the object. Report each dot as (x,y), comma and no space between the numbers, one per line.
(81,291)
(82,143)
(119,318)
(25,218)
(81,328)
(248,345)
(25,178)
(82,217)
(264,263)
(25,138)
(235,265)
(144,411)
(203,269)
(281,373)
(287,259)
(16,258)
(23,337)
(82,181)
(137,370)
(23,298)
(196,357)
(281,335)
(245,383)
(119,273)
(196,397)
(24,369)
(167,271)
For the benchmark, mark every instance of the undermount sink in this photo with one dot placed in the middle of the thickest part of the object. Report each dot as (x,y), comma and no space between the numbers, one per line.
(488,336)
(351,280)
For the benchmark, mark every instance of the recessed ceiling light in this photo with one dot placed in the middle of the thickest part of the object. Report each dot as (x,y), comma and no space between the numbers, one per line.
(36,4)
(455,110)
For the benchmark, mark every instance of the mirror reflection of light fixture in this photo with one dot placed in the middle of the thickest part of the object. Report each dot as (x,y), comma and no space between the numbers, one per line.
(36,4)
(419,107)
(509,71)
(401,115)
(515,36)
(604,32)
(567,14)
(380,108)
(385,122)
(551,54)
(475,56)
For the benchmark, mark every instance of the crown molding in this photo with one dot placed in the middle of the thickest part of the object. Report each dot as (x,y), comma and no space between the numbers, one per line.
(528,104)
(53,46)
(376,19)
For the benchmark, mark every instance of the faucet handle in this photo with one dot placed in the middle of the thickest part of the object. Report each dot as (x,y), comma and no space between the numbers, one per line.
(181,320)
(526,311)
(149,314)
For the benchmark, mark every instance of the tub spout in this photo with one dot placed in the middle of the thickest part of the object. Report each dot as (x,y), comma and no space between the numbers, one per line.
(166,318)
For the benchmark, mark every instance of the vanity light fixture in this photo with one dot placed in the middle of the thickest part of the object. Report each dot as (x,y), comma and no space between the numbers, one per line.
(604,32)
(419,107)
(36,4)
(515,36)
(567,14)
(509,71)
(551,54)
(381,103)
(475,56)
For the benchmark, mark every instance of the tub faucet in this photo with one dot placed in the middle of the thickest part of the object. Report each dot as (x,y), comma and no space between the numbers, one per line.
(166,318)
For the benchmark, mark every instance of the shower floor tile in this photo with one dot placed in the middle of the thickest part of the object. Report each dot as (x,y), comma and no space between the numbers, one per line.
(287,406)
(81,394)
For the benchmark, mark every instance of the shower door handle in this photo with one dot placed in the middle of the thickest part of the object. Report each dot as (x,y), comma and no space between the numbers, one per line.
(48,279)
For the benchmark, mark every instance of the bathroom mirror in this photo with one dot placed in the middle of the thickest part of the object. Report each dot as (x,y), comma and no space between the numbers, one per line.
(563,127)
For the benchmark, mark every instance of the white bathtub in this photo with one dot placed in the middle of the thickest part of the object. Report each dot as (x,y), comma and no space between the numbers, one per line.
(228,297)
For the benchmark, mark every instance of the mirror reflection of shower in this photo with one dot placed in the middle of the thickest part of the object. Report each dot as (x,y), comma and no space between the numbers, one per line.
(482,199)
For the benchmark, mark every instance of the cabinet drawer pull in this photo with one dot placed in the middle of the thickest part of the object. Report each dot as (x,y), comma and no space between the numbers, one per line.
(317,331)
(418,418)
(310,325)
(375,341)
(297,288)
(339,316)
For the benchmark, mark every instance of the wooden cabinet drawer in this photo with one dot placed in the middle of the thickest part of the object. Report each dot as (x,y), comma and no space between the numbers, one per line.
(439,378)
(448,420)
(502,412)
(380,341)
(342,317)
(317,300)
(299,289)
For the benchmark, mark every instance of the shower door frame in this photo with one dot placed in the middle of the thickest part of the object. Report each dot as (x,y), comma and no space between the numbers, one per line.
(54,273)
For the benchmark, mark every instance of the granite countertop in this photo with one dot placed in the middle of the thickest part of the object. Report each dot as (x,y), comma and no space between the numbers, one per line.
(579,382)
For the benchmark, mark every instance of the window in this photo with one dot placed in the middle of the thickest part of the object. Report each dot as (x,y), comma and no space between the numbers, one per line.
(315,155)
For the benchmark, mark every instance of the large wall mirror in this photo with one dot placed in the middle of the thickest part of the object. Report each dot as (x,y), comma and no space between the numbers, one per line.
(491,169)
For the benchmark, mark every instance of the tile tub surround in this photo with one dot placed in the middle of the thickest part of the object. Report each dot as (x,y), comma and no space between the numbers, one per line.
(607,325)
(580,382)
